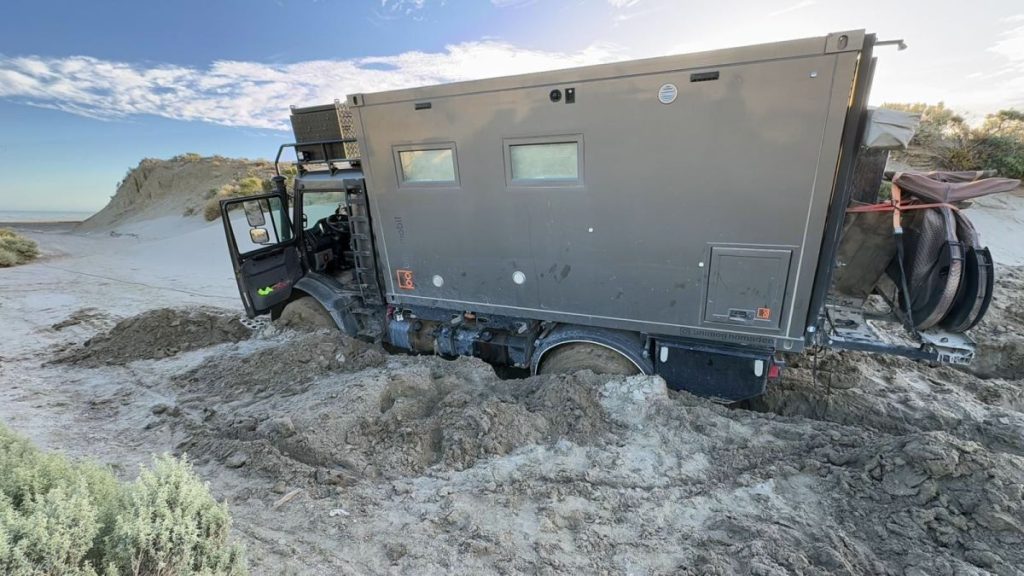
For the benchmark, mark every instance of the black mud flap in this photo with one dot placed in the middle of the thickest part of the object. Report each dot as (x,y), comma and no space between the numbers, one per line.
(724,375)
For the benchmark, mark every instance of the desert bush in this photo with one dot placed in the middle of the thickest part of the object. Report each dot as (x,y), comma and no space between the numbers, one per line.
(289,171)
(59,517)
(1004,154)
(946,141)
(251,185)
(8,258)
(52,536)
(1001,143)
(211,210)
(169,524)
(247,186)
(187,157)
(15,249)
(53,514)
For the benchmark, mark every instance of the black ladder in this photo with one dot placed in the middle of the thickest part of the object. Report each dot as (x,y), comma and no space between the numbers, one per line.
(364,261)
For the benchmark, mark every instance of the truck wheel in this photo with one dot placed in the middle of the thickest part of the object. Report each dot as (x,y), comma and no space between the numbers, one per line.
(305,313)
(570,358)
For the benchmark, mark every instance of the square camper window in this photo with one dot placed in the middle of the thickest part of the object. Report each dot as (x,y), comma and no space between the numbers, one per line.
(419,166)
(544,161)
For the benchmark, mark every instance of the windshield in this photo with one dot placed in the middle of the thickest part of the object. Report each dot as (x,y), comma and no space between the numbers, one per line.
(319,205)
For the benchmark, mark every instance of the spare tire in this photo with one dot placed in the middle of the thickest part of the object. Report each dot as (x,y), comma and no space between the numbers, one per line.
(975,292)
(934,265)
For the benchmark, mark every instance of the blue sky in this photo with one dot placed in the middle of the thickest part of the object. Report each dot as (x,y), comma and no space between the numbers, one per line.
(87,89)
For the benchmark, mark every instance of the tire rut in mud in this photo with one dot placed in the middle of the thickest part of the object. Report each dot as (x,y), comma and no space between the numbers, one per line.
(360,420)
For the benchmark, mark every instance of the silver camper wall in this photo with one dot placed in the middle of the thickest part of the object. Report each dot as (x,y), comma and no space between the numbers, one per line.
(698,195)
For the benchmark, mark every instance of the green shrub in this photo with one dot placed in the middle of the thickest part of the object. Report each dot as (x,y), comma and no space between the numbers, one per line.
(1001,143)
(8,258)
(52,513)
(53,535)
(170,524)
(945,141)
(247,186)
(211,210)
(885,191)
(15,249)
(25,249)
(1004,154)
(58,517)
(250,185)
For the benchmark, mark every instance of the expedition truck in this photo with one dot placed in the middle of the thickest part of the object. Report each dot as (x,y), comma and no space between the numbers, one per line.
(682,216)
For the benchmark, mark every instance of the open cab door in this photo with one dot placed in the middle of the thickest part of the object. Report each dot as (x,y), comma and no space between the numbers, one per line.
(263,250)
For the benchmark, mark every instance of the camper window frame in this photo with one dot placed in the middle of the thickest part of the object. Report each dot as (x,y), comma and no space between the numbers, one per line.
(510,182)
(396,152)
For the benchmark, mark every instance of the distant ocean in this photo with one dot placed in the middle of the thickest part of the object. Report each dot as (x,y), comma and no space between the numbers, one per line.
(42,216)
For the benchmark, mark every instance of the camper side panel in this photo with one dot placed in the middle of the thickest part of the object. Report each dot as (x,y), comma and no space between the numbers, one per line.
(685,201)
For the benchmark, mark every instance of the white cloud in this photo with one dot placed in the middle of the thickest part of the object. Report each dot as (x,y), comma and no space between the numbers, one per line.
(1011,42)
(517,3)
(403,6)
(254,94)
(511,3)
(1005,85)
(794,7)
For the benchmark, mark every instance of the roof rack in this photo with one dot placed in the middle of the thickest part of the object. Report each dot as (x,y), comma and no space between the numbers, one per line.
(320,152)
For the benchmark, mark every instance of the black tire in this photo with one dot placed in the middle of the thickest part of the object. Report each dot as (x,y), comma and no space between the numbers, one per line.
(305,313)
(570,358)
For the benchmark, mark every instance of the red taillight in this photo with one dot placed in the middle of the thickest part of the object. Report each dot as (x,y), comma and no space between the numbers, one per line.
(773,371)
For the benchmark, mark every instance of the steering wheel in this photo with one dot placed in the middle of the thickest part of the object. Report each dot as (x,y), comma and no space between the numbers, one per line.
(335,223)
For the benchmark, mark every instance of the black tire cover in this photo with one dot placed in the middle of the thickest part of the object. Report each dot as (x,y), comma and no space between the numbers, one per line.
(989,266)
(975,291)
(934,264)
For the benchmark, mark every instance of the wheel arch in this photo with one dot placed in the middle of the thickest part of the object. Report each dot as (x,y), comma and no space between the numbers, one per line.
(629,344)
(327,292)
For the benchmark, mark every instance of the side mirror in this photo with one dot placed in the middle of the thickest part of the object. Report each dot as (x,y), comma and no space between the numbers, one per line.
(254,214)
(259,236)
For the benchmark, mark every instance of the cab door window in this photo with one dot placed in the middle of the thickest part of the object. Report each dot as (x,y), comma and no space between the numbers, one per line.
(259,223)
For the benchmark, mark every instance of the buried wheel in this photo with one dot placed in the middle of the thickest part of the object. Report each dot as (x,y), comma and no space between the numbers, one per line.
(570,358)
(305,313)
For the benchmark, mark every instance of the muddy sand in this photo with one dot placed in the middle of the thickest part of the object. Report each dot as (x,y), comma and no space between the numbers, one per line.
(338,458)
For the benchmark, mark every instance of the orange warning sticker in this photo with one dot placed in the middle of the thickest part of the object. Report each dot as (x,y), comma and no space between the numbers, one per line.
(764,313)
(405,279)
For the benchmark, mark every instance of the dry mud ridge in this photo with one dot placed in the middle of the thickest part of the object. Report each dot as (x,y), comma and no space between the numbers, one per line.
(338,458)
